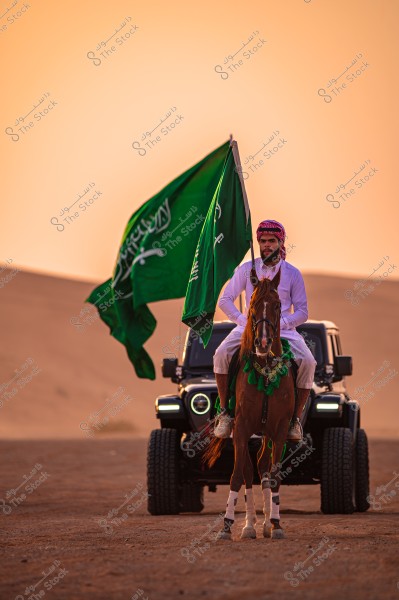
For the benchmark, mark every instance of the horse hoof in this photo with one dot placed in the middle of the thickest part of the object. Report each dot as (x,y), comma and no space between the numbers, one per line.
(266,531)
(248,533)
(277,534)
(224,535)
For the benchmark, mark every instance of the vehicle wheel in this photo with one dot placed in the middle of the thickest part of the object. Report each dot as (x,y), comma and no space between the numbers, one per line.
(191,497)
(362,471)
(337,471)
(163,472)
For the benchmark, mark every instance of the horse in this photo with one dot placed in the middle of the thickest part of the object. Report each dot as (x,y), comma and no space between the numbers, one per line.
(261,349)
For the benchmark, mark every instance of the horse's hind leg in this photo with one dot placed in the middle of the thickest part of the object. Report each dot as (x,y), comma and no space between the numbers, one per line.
(249,531)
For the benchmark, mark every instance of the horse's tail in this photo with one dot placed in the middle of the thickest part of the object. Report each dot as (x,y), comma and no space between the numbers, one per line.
(214,450)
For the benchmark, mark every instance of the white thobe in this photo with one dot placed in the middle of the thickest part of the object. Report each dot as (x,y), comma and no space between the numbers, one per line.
(291,291)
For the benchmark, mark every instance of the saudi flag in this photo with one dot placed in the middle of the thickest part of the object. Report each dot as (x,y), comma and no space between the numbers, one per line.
(156,255)
(225,239)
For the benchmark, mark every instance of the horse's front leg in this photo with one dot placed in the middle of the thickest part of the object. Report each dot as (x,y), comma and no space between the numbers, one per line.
(264,464)
(249,531)
(276,531)
(236,481)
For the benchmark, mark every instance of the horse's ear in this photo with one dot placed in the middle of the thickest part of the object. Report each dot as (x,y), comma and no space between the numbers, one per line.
(276,280)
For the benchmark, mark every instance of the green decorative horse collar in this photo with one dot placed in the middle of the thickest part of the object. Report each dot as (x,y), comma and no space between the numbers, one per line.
(267,379)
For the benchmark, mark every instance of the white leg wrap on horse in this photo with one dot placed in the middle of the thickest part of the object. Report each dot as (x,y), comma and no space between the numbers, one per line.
(250,518)
(275,506)
(231,502)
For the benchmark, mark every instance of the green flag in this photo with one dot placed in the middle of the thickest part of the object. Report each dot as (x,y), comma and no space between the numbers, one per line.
(155,257)
(225,239)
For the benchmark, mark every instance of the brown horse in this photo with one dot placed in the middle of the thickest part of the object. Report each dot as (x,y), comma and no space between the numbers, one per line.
(256,412)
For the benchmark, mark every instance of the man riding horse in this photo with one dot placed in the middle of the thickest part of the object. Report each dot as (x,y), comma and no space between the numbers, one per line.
(291,290)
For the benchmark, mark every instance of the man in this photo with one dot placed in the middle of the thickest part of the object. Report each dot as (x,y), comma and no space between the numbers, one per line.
(291,290)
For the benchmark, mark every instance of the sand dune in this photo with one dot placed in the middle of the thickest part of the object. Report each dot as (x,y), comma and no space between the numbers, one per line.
(77,369)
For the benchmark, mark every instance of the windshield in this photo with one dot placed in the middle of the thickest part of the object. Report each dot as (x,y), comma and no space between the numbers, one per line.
(313,342)
(199,357)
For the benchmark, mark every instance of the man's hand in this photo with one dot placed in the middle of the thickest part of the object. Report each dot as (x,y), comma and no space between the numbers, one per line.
(284,324)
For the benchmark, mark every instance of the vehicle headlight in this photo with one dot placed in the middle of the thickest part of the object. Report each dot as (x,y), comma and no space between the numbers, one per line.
(327,406)
(200,403)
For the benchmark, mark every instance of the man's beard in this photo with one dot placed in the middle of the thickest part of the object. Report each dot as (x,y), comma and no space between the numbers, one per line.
(273,258)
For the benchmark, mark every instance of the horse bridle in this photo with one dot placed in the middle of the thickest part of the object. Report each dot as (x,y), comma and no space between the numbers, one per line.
(268,323)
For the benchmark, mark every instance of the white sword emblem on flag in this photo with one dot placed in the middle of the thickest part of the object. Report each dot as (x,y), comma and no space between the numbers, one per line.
(145,253)
(218,239)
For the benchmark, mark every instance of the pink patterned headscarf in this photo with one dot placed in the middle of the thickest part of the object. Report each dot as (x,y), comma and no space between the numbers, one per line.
(275,228)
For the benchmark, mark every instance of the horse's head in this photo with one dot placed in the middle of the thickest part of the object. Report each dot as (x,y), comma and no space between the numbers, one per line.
(263,325)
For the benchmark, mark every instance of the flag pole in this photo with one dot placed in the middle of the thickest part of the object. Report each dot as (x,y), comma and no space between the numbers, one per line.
(237,161)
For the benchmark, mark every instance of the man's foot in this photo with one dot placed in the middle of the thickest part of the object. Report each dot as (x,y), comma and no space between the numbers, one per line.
(224,426)
(295,432)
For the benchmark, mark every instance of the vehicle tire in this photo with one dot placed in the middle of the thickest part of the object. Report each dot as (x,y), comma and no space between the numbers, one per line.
(362,490)
(337,471)
(163,472)
(191,497)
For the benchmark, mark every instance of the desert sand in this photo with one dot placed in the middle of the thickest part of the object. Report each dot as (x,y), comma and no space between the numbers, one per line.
(64,520)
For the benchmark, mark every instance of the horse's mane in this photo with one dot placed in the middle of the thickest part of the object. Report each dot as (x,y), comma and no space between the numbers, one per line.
(263,291)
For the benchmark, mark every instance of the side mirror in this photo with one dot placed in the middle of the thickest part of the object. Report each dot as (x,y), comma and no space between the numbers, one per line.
(169,367)
(343,366)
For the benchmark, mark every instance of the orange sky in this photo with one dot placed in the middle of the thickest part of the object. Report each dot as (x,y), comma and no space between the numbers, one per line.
(164,55)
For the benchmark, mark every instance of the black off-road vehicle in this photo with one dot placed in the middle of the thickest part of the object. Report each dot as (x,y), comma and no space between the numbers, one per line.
(334,452)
